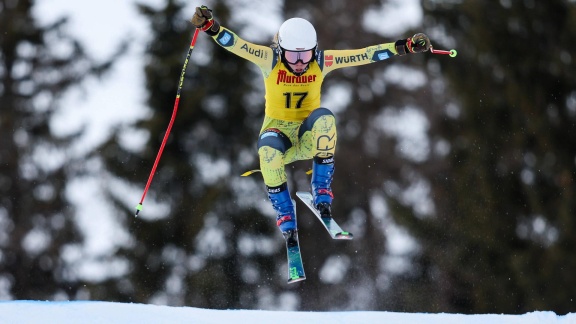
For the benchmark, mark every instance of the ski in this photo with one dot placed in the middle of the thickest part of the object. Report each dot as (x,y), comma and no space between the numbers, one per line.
(330,224)
(295,266)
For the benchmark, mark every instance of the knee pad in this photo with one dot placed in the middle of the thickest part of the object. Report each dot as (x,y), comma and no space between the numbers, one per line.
(275,139)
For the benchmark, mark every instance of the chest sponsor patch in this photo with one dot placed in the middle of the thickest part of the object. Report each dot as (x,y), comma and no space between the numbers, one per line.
(283,77)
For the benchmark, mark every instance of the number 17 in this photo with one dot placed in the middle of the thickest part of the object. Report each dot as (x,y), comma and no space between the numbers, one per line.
(288,96)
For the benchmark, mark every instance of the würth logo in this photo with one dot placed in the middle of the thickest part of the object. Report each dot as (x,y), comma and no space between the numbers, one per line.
(328,59)
(351,58)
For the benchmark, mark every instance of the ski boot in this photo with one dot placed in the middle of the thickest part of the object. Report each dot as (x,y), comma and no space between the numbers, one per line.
(286,215)
(322,172)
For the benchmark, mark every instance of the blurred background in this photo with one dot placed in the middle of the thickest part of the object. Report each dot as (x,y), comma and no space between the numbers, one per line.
(456,175)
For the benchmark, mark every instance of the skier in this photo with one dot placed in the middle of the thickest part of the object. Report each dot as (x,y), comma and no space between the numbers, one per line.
(295,126)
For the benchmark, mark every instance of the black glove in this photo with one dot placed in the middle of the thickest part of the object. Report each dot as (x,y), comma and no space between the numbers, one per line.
(203,19)
(416,44)
(420,43)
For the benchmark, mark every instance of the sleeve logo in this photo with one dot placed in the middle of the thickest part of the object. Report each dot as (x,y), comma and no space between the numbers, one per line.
(383,56)
(225,39)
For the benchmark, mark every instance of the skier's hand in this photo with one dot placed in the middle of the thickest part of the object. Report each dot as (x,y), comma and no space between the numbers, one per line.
(203,19)
(415,44)
(418,43)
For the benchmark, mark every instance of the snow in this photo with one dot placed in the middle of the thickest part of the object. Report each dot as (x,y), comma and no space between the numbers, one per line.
(116,99)
(31,312)
(393,17)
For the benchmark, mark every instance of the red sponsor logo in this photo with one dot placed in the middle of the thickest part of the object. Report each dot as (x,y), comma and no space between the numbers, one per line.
(284,77)
(328,60)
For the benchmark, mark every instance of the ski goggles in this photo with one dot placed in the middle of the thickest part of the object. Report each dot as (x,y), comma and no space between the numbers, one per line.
(293,57)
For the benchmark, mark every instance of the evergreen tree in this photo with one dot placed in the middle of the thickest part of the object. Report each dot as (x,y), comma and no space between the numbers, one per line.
(38,64)
(213,247)
(504,228)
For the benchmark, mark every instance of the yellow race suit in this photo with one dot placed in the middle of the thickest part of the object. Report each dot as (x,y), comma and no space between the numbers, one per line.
(291,99)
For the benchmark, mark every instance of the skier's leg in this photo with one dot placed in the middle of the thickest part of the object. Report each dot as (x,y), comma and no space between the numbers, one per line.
(272,146)
(322,173)
(318,131)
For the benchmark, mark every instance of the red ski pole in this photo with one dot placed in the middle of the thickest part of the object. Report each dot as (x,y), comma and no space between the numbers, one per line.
(174,111)
(451,52)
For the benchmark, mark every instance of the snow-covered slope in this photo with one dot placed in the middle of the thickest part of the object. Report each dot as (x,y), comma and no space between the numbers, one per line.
(79,312)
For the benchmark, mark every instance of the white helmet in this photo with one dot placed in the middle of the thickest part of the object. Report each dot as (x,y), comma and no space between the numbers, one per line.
(297,34)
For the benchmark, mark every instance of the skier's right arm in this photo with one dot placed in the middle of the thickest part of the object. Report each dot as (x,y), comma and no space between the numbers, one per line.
(263,56)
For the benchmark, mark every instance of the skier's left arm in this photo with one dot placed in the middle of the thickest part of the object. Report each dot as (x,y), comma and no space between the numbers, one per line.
(336,59)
